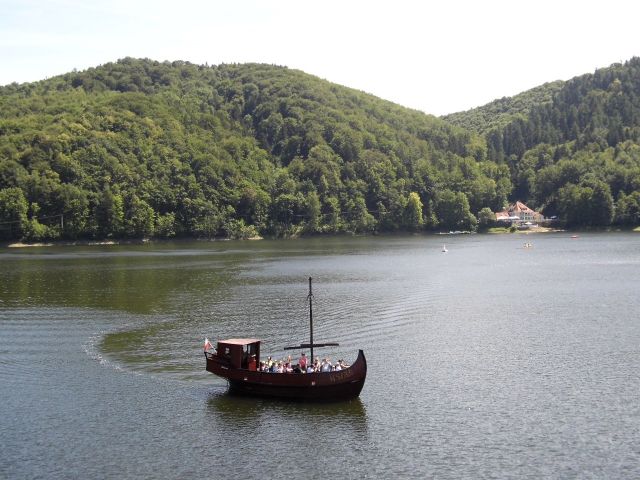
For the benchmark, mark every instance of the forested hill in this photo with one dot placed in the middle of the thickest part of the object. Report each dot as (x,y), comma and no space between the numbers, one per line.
(575,151)
(500,112)
(139,148)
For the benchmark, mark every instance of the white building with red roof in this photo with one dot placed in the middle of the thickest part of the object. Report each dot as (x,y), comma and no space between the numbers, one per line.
(519,213)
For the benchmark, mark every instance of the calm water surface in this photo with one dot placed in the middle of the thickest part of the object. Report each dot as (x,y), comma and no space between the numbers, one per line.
(488,361)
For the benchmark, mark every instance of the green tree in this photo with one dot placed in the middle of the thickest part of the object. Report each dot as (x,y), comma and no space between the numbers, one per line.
(453,211)
(586,205)
(165,226)
(35,231)
(486,218)
(73,204)
(288,210)
(628,209)
(334,221)
(601,204)
(414,220)
(110,213)
(361,221)
(313,212)
(572,203)
(253,205)
(238,229)
(139,218)
(209,225)
(13,212)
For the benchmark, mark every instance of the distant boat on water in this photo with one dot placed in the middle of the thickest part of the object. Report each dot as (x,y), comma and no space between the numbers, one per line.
(444,248)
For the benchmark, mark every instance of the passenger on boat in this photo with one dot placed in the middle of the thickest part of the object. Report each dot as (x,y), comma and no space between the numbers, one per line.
(326,365)
(310,369)
(303,361)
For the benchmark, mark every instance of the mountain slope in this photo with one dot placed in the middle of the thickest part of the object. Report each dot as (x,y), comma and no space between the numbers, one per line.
(499,113)
(575,154)
(141,148)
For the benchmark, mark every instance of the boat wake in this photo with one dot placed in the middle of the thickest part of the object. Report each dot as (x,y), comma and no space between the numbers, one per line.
(91,348)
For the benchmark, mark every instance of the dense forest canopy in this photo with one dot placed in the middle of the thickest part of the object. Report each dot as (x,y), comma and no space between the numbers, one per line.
(576,152)
(139,148)
(500,112)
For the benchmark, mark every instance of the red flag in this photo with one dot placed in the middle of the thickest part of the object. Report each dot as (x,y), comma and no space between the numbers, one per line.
(207,345)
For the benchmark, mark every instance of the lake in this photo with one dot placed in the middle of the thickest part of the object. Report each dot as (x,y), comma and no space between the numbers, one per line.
(488,361)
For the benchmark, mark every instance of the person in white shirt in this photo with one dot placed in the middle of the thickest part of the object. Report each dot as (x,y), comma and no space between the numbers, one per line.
(326,365)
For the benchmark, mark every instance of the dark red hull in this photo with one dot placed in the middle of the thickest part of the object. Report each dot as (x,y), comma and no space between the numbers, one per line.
(329,386)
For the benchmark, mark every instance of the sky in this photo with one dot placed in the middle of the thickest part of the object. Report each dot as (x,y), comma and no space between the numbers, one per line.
(436,56)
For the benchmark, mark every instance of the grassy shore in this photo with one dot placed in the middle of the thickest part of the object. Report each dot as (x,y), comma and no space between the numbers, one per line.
(493,230)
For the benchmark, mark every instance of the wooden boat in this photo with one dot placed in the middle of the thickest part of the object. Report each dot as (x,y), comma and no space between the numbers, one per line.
(238,360)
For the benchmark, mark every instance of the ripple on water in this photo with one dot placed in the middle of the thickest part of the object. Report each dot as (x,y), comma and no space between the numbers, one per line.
(490,361)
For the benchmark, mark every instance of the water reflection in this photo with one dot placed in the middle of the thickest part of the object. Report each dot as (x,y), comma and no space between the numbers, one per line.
(490,361)
(134,282)
(236,409)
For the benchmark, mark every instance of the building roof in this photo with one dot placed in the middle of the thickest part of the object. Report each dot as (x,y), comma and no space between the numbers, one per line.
(520,207)
(239,341)
(516,211)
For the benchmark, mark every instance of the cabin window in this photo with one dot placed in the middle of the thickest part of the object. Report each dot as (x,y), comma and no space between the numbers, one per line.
(248,351)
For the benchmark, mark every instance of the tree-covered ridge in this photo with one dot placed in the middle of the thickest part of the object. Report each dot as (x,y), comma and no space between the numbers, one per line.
(578,155)
(499,113)
(140,148)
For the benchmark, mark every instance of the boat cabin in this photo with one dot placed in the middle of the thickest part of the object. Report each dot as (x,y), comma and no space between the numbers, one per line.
(240,352)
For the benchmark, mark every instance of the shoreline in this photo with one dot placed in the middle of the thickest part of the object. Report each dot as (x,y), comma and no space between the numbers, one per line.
(144,241)
(528,230)
(92,243)
(60,244)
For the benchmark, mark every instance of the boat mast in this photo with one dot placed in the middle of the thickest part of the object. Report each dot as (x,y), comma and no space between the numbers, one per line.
(311,344)
(310,297)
